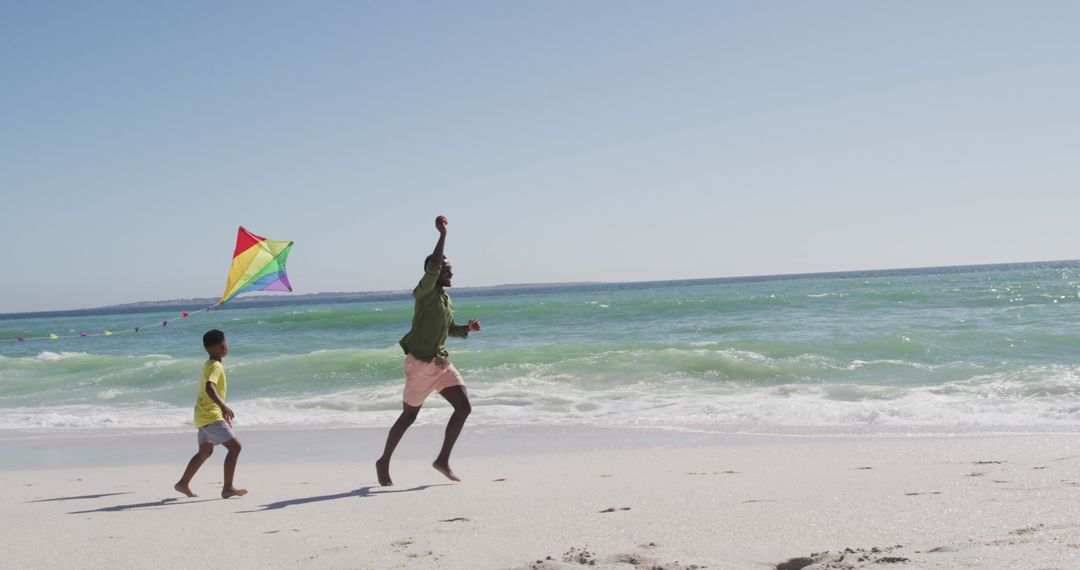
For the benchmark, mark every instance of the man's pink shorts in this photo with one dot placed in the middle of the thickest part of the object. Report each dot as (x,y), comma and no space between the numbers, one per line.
(423,378)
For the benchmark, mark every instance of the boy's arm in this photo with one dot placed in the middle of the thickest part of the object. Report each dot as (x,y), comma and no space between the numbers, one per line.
(226,411)
(432,271)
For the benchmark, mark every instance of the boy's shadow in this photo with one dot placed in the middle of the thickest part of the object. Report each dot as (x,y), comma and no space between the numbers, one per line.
(358,493)
(79,498)
(149,505)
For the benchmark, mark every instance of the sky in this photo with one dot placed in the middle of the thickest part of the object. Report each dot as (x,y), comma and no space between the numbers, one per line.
(565,140)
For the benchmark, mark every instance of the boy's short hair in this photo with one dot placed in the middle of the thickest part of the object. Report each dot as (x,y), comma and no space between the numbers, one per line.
(212,337)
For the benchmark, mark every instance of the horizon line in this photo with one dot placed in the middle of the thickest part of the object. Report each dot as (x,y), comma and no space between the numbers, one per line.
(806,275)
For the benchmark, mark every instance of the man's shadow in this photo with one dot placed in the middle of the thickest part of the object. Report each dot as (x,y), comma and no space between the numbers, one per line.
(357,493)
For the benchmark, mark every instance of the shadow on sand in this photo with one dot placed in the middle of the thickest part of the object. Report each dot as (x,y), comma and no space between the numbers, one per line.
(357,493)
(150,505)
(80,497)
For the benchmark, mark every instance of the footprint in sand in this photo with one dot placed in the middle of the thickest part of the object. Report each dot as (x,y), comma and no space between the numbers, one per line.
(1028,530)
(847,558)
(576,557)
(795,563)
(402,547)
(579,556)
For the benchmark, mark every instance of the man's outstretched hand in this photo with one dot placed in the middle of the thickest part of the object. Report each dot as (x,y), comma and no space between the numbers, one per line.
(474,326)
(440,224)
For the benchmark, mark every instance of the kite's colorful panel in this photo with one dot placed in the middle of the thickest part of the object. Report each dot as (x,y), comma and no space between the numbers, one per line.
(258,265)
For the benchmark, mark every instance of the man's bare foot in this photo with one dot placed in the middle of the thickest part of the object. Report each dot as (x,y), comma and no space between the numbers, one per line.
(445,470)
(182,488)
(232,492)
(382,470)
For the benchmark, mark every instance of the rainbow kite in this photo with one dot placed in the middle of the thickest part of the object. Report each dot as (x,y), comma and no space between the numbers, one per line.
(258,265)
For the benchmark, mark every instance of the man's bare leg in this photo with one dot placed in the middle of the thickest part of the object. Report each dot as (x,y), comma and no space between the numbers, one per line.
(228,490)
(458,398)
(205,450)
(406,419)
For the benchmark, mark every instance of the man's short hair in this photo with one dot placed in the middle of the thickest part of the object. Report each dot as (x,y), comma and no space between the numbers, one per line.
(427,261)
(212,337)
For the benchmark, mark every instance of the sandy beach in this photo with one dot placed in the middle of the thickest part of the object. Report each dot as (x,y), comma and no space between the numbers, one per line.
(695,285)
(730,502)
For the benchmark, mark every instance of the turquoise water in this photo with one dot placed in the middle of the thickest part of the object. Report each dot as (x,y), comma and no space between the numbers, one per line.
(951,351)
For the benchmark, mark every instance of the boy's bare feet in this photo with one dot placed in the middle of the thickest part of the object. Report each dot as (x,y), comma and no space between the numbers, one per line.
(182,488)
(445,470)
(232,492)
(382,470)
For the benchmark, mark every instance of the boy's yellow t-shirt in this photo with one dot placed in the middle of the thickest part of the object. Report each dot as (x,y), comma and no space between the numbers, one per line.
(206,411)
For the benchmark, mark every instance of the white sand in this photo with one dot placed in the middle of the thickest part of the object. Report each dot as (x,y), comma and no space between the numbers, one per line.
(974,502)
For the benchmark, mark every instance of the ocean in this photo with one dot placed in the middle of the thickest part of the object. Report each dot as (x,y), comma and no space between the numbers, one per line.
(963,350)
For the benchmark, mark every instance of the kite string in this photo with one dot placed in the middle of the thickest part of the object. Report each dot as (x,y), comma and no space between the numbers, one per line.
(107,332)
(240,277)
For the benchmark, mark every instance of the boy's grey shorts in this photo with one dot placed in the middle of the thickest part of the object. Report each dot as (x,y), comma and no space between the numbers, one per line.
(216,433)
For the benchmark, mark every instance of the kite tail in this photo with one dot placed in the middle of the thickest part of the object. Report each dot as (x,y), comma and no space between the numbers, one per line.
(115,332)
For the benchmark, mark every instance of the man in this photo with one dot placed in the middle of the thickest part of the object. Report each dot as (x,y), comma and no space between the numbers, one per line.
(427,364)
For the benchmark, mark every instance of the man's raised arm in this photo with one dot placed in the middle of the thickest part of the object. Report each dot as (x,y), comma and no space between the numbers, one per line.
(433,267)
(437,256)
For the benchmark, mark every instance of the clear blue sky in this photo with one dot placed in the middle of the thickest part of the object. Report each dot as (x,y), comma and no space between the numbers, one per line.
(566,140)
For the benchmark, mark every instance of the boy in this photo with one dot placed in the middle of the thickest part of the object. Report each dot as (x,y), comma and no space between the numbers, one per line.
(427,364)
(213,418)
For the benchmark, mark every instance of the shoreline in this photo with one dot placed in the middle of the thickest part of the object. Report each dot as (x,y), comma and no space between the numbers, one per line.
(32,450)
(123,447)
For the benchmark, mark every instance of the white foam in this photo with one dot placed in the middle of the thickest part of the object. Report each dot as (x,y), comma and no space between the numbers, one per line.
(784,409)
(56,356)
(630,388)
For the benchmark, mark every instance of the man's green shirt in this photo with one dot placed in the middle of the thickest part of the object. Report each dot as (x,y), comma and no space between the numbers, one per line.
(433,320)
